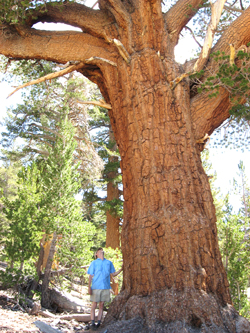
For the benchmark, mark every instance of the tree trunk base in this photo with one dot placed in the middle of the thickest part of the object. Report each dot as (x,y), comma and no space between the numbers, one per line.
(170,311)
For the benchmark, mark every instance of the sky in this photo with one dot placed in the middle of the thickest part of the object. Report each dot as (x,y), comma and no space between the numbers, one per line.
(224,160)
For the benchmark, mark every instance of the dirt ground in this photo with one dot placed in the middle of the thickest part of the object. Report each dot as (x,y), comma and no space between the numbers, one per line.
(14,319)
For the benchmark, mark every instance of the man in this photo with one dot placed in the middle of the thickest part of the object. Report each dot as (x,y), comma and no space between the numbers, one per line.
(99,274)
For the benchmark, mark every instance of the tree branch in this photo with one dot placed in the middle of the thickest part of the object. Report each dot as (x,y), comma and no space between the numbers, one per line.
(89,20)
(55,46)
(193,35)
(216,9)
(49,76)
(179,15)
(98,103)
(209,113)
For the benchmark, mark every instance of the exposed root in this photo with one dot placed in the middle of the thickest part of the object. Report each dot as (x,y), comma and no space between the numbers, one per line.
(170,311)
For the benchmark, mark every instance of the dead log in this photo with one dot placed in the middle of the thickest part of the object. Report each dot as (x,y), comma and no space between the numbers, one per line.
(65,302)
(45,328)
(78,317)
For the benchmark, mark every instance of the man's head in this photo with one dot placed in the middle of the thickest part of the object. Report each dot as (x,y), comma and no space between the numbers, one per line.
(99,253)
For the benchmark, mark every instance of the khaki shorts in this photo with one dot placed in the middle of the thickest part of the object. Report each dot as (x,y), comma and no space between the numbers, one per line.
(100,295)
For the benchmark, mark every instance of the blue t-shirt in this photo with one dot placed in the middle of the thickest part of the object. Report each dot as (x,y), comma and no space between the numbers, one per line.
(101,269)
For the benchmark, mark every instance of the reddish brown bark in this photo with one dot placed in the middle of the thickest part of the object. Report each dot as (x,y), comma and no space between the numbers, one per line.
(174,280)
(112,221)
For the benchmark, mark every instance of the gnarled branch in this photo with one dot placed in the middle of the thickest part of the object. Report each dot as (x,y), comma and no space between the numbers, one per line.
(55,46)
(89,20)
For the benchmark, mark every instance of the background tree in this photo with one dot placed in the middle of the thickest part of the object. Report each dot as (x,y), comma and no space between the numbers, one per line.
(169,237)
(235,255)
(8,186)
(106,146)
(46,204)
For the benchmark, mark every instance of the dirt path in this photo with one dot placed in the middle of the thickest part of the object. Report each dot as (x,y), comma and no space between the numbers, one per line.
(14,320)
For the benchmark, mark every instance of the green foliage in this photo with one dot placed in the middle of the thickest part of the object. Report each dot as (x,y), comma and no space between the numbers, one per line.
(16,11)
(233,236)
(11,277)
(219,200)
(234,248)
(236,80)
(24,229)
(8,189)
(35,119)
(46,203)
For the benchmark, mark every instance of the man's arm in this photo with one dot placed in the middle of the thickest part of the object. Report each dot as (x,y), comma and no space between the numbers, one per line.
(118,272)
(90,280)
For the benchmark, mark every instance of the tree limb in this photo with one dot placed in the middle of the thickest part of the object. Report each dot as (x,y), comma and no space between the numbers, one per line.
(93,22)
(216,9)
(56,46)
(50,76)
(209,113)
(98,103)
(193,35)
(179,15)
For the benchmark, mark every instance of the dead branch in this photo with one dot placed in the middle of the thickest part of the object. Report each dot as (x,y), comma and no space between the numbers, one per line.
(41,152)
(50,76)
(123,52)
(193,35)
(47,129)
(101,59)
(94,4)
(233,9)
(202,140)
(177,80)
(232,54)
(100,103)
(216,8)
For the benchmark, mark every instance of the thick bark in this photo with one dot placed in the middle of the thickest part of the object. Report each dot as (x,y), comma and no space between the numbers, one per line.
(169,239)
(112,221)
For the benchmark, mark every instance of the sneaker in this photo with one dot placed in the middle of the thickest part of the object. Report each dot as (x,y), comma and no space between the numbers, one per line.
(93,327)
(97,325)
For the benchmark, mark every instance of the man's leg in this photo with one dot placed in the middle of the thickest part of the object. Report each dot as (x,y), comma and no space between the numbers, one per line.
(92,312)
(100,313)
(101,304)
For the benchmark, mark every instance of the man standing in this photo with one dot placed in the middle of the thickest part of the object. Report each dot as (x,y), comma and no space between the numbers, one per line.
(99,274)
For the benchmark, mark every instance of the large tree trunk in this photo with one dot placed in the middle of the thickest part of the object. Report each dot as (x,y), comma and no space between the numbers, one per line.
(172,264)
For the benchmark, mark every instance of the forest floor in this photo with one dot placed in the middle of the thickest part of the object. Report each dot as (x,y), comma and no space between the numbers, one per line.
(13,319)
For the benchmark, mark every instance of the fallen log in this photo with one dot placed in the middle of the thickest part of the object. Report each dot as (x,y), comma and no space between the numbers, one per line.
(78,317)
(45,328)
(65,302)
